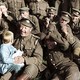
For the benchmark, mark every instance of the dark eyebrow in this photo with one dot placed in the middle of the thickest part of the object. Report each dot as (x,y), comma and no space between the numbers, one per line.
(64,19)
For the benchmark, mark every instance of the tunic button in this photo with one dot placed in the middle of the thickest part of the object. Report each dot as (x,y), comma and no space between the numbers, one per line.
(51,59)
(55,43)
(54,64)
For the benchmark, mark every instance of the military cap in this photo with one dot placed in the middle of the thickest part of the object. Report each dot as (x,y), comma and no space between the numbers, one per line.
(24,9)
(26,22)
(51,9)
(65,15)
(3,3)
(75,12)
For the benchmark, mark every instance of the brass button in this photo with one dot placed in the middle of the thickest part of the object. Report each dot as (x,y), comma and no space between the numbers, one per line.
(54,64)
(51,59)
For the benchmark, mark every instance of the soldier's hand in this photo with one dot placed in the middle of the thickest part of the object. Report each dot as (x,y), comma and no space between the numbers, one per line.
(46,21)
(4,11)
(22,16)
(42,36)
(64,29)
(77,52)
(18,60)
(5,14)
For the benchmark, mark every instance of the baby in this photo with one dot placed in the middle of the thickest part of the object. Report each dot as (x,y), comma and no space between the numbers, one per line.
(8,54)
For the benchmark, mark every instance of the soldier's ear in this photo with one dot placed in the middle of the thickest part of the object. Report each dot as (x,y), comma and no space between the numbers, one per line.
(31,29)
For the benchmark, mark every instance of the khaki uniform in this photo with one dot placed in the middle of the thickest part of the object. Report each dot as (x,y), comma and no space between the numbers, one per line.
(75,25)
(75,4)
(72,40)
(33,54)
(8,23)
(5,76)
(76,29)
(14,6)
(52,15)
(32,18)
(58,62)
(36,23)
(38,8)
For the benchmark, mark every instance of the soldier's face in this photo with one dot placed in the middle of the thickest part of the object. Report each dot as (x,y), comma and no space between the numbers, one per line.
(46,21)
(63,22)
(51,15)
(25,31)
(3,8)
(24,14)
(75,19)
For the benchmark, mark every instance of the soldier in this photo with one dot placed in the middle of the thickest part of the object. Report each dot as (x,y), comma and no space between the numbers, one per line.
(75,4)
(14,6)
(51,17)
(51,14)
(24,13)
(61,5)
(75,24)
(61,67)
(7,20)
(38,8)
(65,30)
(33,54)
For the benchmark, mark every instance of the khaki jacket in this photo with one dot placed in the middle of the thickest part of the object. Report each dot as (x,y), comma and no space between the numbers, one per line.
(33,53)
(36,22)
(14,6)
(38,8)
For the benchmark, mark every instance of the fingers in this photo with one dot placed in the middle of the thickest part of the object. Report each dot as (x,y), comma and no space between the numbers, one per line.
(18,60)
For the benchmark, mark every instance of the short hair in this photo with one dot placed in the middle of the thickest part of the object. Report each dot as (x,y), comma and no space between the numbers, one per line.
(7,36)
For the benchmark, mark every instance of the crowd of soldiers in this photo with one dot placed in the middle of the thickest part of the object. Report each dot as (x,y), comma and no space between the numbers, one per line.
(48,32)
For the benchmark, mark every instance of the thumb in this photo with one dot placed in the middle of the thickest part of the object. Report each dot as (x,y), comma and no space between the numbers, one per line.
(77,52)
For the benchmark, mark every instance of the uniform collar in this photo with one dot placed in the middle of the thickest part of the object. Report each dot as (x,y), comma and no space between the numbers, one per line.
(26,38)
